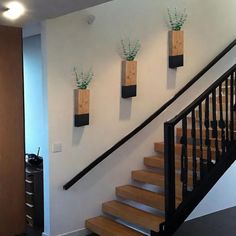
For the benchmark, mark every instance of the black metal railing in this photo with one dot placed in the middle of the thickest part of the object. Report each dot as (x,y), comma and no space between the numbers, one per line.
(207,133)
(117,145)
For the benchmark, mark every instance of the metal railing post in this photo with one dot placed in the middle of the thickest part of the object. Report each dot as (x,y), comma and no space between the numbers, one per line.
(169,155)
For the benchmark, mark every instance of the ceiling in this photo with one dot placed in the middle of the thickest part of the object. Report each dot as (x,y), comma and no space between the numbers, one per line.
(38,10)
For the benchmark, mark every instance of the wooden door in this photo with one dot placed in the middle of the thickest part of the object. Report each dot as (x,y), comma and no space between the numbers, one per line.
(12,200)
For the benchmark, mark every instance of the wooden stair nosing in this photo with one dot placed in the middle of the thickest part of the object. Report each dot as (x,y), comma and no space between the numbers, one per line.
(159,147)
(107,227)
(158,162)
(189,133)
(133,215)
(148,177)
(157,179)
(142,196)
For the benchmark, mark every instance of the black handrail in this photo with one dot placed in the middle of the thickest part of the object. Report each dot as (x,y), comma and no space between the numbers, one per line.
(149,119)
(202,97)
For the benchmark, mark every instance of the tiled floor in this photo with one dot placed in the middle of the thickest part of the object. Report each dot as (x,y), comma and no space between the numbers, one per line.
(222,223)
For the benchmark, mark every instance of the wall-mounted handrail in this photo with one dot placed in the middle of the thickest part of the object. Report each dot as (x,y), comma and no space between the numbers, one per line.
(102,157)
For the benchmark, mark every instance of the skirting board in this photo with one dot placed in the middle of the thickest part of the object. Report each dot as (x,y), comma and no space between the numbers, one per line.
(79,232)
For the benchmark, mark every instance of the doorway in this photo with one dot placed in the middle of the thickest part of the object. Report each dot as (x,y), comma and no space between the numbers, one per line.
(35,132)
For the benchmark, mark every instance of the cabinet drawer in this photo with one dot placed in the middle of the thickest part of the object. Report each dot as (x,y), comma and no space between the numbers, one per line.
(29,176)
(29,197)
(29,210)
(29,221)
(29,186)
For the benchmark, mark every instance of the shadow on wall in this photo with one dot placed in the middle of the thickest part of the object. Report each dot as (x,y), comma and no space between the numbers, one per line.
(77,135)
(125,108)
(171,78)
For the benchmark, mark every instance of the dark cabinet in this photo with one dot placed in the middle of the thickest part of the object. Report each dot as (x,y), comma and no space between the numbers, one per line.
(34,197)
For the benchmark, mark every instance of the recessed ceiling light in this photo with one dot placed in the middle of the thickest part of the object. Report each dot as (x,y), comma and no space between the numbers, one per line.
(14,10)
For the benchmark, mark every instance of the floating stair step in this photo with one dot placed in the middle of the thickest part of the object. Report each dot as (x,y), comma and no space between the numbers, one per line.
(133,215)
(159,147)
(106,227)
(189,120)
(148,177)
(158,179)
(158,162)
(154,162)
(211,140)
(218,106)
(189,133)
(211,114)
(218,99)
(142,196)
(224,89)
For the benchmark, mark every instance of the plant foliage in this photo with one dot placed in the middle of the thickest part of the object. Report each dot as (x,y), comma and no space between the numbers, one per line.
(130,49)
(83,78)
(177,19)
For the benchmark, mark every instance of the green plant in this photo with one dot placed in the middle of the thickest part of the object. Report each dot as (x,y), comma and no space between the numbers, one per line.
(83,78)
(177,19)
(130,49)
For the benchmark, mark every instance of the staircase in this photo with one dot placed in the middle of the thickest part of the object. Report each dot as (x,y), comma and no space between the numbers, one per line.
(198,148)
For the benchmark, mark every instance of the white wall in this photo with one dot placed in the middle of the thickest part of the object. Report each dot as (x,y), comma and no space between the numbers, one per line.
(70,41)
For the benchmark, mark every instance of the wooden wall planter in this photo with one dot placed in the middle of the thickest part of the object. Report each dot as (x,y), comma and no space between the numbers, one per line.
(129,79)
(81,107)
(176,49)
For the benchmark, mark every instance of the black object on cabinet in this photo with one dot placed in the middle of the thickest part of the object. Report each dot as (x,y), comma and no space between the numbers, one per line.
(34,197)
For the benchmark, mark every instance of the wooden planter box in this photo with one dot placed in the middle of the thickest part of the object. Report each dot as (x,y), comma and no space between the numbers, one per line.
(129,79)
(81,107)
(176,49)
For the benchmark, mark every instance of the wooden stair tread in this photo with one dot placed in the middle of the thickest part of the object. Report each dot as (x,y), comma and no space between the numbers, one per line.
(158,162)
(143,196)
(189,132)
(155,178)
(154,161)
(106,227)
(159,147)
(133,215)
(149,177)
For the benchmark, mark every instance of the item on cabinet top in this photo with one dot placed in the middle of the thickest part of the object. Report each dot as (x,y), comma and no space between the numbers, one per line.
(34,159)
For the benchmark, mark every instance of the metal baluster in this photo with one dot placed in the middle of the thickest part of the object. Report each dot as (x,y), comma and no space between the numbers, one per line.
(214,126)
(232,107)
(194,152)
(234,102)
(169,153)
(222,122)
(201,143)
(207,140)
(226,112)
(184,158)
